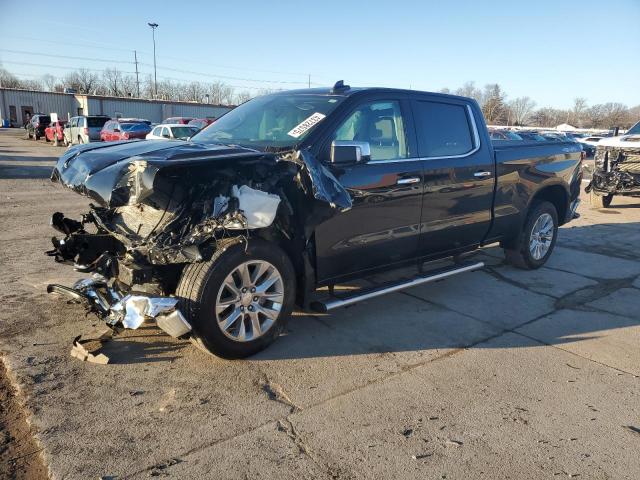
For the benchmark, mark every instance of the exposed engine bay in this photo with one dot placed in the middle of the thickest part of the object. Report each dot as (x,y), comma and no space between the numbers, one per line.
(154,214)
(617,170)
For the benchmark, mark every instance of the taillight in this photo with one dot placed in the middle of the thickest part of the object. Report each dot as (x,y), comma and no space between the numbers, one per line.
(125,136)
(86,131)
(37,125)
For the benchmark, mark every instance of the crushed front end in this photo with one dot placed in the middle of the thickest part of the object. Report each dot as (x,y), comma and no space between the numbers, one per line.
(617,168)
(159,206)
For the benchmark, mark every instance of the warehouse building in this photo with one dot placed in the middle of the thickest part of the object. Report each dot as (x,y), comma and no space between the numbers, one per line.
(17,105)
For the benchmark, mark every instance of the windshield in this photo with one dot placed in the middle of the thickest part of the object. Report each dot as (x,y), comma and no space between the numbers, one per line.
(635,130)
(183,132)
(276,121)
(133,127)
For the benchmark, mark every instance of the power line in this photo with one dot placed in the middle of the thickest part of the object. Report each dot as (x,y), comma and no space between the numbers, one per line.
(22,52)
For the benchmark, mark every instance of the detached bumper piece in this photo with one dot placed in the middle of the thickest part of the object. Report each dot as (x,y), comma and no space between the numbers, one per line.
(125,311)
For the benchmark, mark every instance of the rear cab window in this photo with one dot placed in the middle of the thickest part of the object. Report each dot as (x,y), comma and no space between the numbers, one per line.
(443,129)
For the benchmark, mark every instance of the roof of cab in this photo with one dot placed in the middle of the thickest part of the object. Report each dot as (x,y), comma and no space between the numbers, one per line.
(346,92)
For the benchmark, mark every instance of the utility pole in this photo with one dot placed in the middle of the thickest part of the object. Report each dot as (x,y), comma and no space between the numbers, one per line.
(135,57)
(155,73)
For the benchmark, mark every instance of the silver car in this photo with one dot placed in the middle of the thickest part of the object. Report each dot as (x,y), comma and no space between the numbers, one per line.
(84,129)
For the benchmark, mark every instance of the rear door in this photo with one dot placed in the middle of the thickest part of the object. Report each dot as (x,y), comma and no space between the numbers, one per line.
(459,175)
(382,227)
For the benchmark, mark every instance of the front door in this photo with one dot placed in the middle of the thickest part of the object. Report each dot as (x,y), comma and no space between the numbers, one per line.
(382,227)
(459,175)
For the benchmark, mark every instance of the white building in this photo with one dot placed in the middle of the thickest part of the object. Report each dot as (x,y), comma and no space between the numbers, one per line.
(16,105)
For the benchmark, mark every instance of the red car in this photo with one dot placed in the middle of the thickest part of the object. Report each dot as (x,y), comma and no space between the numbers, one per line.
(115,130)
(200,123)
(180,120)
(55,132)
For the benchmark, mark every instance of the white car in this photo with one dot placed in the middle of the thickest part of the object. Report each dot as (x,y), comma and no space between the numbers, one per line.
(172,131)
(593,140)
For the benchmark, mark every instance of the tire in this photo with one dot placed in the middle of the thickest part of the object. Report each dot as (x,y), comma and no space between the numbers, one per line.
(600,201)
(80,142)
(209,305)
(35,136)
(521,255)
(46,139)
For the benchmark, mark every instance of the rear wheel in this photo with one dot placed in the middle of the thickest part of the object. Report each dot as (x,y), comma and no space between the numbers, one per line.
(600,201)
(537,239)
(240,300)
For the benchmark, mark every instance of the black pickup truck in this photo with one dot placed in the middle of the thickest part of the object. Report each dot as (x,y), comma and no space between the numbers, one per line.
(219,237)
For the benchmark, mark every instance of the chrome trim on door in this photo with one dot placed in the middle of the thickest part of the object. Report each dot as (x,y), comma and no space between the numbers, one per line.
(482,174)
(407,181)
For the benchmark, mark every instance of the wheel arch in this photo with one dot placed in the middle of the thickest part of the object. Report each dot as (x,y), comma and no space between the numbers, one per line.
(556,194)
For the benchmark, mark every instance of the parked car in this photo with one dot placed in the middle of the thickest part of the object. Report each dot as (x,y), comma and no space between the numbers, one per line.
(227,232)
(531,136)
(55,132)
(37,125)
(616,169)
(589,150)
(180,120)
(84,129)
(172,132)
(592,140)
(201,123)
(496,134)
(115,130)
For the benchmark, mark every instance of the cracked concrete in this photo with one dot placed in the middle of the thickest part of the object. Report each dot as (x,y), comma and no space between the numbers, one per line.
(499,373)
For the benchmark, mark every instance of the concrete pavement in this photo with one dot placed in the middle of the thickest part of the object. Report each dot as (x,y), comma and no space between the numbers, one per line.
(499,373)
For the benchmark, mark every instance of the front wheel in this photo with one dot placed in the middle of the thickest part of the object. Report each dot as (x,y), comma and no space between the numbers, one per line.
(600,201)
(240,300)
(535,243)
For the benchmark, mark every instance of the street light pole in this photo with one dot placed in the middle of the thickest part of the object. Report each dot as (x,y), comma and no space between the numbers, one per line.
(155,73)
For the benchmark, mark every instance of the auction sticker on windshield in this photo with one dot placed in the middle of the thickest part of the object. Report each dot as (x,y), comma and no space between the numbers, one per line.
(305,125)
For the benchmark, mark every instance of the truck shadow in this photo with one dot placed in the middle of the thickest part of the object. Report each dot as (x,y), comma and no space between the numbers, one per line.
(430,317)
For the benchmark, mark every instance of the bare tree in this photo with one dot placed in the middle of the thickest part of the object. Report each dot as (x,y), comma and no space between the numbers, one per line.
(577,112)
(520,109)
(82,80)
(50,82)
(444,90)
(9,80)
(615,115)
(194,92)
(242,97)
(493,104)
(469,90)
(112,81)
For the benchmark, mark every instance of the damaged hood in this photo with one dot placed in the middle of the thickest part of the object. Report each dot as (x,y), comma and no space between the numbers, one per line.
(107,173)
(96,169)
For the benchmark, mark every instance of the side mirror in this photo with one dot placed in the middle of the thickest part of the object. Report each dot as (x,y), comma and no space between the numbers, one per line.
(166,135)
(350,151)
(116,130)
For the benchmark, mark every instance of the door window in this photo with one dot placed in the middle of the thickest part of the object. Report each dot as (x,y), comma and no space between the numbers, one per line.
(379,123)
(443,129)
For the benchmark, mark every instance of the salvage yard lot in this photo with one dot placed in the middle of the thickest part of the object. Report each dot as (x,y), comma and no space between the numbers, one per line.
(499,373)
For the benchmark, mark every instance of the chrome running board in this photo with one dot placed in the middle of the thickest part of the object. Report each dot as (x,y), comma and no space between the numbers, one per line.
(434,275)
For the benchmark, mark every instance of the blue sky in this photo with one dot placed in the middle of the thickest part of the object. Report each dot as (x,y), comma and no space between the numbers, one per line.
(552,51)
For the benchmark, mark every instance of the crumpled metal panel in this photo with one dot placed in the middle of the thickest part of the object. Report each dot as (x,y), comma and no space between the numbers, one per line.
(132,310)
(325,186)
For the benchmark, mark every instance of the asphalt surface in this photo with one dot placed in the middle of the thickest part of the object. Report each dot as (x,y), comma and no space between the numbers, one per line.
(499,373)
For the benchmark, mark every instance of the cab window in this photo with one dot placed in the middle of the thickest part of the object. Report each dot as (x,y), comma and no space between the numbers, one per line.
(381,125)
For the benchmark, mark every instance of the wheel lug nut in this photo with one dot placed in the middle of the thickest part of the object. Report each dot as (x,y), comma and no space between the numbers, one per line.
(244,289)
(242,309)
(255,299)
(253,290)
(250,308)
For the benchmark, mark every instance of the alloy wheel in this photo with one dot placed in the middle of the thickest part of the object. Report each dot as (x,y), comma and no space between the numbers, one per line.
(249,300)
(541,236)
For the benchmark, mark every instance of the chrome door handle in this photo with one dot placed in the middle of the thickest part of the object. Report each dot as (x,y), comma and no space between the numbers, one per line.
(482,174)
(407,181)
